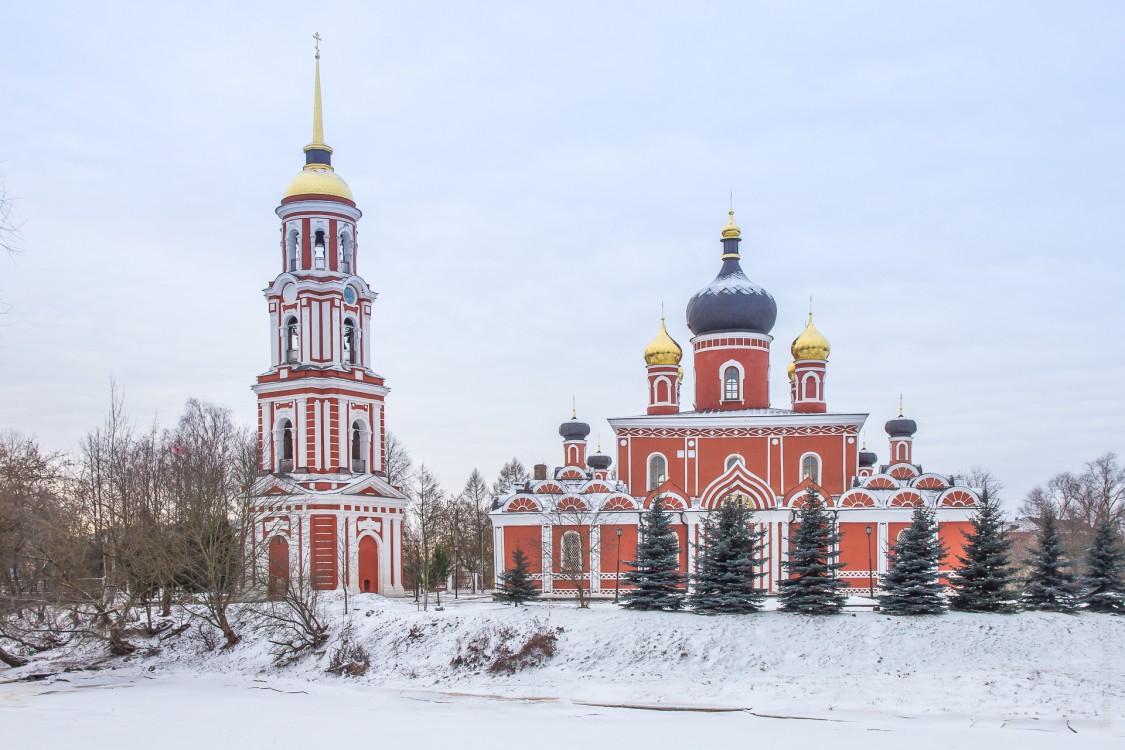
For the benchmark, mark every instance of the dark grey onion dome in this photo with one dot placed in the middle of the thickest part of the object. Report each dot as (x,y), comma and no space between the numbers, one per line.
(732,302)
(574,430)
(901,426)
(598,461)
(867,458)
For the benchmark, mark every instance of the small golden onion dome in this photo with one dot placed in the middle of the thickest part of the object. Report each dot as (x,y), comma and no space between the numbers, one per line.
(318,182)
(792,371)
(731,230)
(663,350)
(811,344)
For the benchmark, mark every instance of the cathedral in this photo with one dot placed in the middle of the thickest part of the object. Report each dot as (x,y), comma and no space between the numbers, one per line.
(327,518)
(578,524)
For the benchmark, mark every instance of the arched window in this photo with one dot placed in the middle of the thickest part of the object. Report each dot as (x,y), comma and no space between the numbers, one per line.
(810,468)
(286,457)
(347,248)
(318,249)
(349,341)
(732,460)
(291,245)
(731,389)
(292,340)
(811,383)
(360,441)
(657,471)
(571,552)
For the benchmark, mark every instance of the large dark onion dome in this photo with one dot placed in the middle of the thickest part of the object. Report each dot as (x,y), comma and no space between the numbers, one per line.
(573,429)
(901,426)
(731,302)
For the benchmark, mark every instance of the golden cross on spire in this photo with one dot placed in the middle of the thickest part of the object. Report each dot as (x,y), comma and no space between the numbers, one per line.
(900,404)
(662,311)
(573,407)
(316,36)
(810,307)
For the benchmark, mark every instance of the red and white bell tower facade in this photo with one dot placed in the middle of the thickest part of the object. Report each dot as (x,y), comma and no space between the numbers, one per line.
(329,517)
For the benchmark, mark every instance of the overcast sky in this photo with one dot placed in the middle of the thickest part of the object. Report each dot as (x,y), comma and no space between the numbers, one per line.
(946,182)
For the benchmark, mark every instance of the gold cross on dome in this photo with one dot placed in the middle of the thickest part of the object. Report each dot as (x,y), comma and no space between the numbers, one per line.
(316,36)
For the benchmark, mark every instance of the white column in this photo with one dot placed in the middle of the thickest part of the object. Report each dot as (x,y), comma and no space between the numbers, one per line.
(881,549)
(595,558)
(300,439)
(275,335)
(497,555)
(548,567)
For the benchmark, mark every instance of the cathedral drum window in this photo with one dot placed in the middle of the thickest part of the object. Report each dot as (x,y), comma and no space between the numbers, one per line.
(810,468)
(657,471)
(731,385)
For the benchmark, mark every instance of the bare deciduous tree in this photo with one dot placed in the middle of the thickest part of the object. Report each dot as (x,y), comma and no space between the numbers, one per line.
(398,463)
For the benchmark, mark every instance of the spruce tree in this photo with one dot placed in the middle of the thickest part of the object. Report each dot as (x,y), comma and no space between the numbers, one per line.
(725,581)
(1104,582)
(983,582)
(1051,586)
(516,586)
(911,585)
(813,587)
(655,579)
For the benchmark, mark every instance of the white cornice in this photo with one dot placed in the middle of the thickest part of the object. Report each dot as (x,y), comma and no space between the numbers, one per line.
(706,420)
(343,383)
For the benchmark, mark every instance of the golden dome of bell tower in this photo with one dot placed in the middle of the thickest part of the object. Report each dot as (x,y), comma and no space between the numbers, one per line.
(663,350)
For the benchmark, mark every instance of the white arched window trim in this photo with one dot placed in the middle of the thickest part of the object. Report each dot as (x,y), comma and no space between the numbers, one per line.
(292,248)
(731,460)
(900,450)
(723,383)
(346,243)
(819,467)
(649,478)
(804,394)
(364,462)
(656,385)
(279,440)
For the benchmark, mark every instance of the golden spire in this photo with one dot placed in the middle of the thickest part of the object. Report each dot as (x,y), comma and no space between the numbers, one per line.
(573,407)
(318,117)
(663,350)
(900,404)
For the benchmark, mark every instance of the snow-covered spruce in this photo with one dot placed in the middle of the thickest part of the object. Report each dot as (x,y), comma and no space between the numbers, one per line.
(655,578)
(729,566)
(1104,582)
(812,586)
(516,586)
(1051,585)
(983,582)
(911,586)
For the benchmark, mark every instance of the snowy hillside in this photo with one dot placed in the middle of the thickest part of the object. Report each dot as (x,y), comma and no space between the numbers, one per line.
(1025,665)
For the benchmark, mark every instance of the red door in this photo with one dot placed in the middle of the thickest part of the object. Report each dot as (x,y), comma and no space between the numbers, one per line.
(368,565)
(278,567)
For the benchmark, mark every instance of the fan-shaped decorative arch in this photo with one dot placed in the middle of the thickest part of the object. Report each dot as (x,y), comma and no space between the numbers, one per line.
(880,482)
(930,482)
(549,488)
(619,502)
(903,471)
(571,503)
(596,487)
(858,499)
(907,498)
(738,479)
(956,497)
(522,505)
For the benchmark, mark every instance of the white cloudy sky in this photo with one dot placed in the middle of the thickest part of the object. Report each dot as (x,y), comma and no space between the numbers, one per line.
(947,182)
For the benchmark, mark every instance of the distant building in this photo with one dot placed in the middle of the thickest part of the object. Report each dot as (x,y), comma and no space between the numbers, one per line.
(329,517)
(579,525)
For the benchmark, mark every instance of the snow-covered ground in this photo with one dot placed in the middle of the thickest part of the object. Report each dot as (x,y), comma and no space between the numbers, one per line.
(950,681)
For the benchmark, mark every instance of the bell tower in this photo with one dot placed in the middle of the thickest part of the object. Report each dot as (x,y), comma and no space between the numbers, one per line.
(329,516)
(320,403)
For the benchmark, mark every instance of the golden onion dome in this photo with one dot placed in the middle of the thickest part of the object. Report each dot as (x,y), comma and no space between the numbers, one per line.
(318,182)
(731,230)
(811,344)
(663,350)
(792,371)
